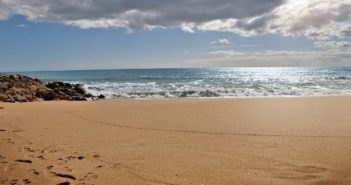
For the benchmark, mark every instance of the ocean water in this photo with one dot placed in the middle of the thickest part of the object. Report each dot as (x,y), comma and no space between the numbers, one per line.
(207,82)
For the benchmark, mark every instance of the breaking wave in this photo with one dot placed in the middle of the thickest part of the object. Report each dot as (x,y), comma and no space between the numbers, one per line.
(209,82)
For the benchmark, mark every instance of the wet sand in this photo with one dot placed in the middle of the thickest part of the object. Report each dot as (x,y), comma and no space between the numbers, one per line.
(261,141)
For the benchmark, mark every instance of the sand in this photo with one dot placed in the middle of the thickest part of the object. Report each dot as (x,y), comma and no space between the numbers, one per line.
(285,141)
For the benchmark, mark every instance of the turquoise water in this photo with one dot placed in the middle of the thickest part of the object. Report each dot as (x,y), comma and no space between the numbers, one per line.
(207,82)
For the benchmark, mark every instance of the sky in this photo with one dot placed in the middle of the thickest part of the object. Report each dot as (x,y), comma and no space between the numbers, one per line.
(40,35)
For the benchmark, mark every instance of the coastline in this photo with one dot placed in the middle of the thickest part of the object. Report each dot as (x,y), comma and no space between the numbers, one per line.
(274,140)
(207,82)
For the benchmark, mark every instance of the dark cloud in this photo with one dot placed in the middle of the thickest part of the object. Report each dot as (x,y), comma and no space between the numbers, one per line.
(142,12)
(174,11)
(317,19)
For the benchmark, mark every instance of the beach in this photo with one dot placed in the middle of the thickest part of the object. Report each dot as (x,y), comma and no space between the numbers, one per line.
(246,141)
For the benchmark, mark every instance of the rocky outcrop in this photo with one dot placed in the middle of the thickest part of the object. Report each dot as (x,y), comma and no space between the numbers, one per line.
(18,88)
(64,91)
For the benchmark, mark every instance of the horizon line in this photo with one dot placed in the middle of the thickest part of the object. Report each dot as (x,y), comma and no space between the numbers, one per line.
(105,69)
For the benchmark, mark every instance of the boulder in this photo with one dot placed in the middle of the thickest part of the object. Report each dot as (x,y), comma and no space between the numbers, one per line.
(208,93)
(101,96)
(18,88)
(20,98)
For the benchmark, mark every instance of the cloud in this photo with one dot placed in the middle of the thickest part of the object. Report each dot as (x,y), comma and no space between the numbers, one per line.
(22,25)
(136,14)
(316,19)
(226,53)
(220,42)
(283,58)
(264,53)
(5,10)
(332,44)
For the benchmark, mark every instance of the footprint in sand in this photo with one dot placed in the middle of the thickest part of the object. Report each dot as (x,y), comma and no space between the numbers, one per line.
(63,175)
(64,183)
(70,157)
(9,140)
(75,157)
(99,166)
(47,150)
(96,156)
(88,178)
(41,157)
(28,149)
(68,169)
(62,161)
(49,167)
(34,171)
(23,161)
(26,181)
(14,181)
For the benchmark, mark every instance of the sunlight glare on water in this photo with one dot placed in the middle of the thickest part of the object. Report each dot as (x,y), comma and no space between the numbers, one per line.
(208,82)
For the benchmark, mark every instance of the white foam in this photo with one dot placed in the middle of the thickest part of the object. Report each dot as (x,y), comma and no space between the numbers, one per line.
(245,83)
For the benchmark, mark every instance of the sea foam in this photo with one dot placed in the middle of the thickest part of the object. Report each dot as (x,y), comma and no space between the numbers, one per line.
(208,82)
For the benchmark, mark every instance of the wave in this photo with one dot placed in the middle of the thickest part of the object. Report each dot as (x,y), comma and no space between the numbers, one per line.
(211,83)
(200,90)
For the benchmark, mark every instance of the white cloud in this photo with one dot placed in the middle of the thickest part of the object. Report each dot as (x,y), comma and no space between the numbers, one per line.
(332,44)
(266,58)
(22,25)
(220,42)
(135,14)
(316,19)
(226,53)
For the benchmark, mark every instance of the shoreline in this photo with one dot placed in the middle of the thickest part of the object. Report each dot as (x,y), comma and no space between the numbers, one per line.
(189,98)
(268,141)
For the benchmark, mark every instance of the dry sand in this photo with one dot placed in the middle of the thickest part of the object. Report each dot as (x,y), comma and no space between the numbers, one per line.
(285,141)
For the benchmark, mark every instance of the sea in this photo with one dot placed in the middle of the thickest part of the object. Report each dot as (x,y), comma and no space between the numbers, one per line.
(207,82)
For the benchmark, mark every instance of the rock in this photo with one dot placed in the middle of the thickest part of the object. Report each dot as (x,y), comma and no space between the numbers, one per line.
(79,89)
(78,98)
(101,96)
(10,99)
(208,93)
(67,91)
(3,97)
(88,95)
(17,88)
(20,98)
(47,95)
(3,86)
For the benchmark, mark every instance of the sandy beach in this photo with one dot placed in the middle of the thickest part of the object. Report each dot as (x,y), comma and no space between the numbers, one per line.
(255,141)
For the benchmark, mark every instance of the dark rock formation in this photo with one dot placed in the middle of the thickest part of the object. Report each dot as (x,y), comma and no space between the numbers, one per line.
(208,93)
(17,88)
(101,96)
(64,91)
